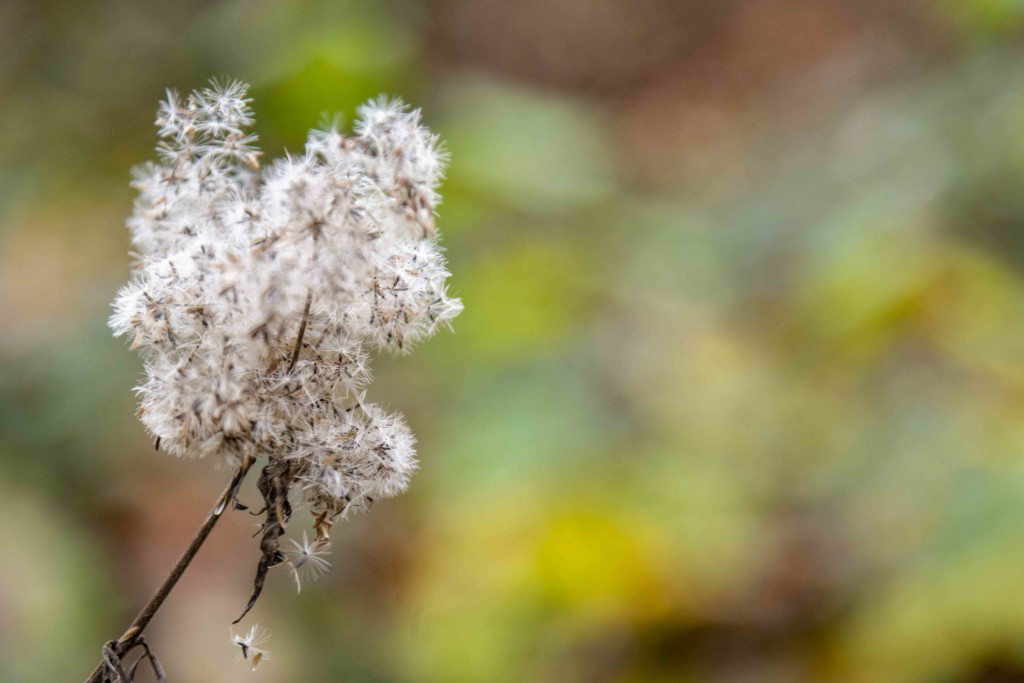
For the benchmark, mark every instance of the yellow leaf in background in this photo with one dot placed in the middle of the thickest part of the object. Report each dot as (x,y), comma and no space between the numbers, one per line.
(592,566)
(975,310)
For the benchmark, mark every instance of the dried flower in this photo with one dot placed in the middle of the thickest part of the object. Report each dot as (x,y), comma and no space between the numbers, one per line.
(259,294)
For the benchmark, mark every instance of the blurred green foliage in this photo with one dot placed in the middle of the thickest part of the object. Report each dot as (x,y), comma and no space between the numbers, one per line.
(753,413)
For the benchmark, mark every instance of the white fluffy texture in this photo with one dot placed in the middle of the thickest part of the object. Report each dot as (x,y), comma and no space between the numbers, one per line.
(230,257)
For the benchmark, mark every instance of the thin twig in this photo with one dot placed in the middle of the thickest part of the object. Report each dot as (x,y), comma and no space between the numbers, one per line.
(130,638)
(112,663)
(158,670)
(302,331)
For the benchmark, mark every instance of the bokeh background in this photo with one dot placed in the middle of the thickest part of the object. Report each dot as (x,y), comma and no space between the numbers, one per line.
(738,393)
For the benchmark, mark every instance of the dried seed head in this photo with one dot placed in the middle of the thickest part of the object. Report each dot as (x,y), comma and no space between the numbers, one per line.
(259,295)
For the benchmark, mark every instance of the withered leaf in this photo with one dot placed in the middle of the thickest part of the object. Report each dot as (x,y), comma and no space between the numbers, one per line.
(273,486)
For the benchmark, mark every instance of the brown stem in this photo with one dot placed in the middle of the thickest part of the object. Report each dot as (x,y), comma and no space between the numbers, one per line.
(131,637)
(302,331)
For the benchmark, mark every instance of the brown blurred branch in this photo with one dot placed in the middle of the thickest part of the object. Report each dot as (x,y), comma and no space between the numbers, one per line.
(131,637)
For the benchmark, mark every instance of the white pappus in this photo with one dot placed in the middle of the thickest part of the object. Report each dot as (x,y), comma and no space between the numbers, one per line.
(260,292)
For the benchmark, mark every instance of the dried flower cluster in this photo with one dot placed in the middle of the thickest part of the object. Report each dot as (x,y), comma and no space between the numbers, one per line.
(258,296)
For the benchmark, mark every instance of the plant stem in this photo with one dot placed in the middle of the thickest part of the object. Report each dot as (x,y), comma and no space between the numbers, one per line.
(302,331)
(130,638)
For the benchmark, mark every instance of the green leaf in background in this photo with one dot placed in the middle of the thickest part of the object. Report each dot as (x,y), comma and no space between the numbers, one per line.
(65,576)
(531,151)
(984,20)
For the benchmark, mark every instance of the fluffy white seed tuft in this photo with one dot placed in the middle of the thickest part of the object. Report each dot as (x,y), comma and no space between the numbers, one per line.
(250,646)
(259,293)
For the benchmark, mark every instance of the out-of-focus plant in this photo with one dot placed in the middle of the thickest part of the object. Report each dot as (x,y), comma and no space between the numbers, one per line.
(256,300)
